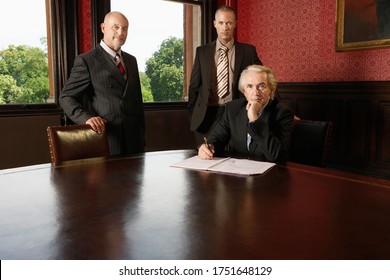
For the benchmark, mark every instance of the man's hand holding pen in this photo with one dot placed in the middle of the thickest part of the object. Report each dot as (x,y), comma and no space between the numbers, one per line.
(206,151)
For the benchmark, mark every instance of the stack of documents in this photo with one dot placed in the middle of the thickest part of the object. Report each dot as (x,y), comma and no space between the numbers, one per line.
(226,165)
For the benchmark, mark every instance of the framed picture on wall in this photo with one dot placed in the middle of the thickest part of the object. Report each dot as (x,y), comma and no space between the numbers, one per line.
(362,24)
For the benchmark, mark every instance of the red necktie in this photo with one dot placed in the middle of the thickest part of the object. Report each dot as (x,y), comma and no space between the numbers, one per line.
(120,65)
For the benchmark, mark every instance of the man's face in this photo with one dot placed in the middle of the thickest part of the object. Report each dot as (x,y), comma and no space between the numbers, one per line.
(225,23)
(115,31)
(256,87)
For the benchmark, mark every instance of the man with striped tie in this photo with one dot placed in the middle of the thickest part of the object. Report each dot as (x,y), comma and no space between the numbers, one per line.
(217,68)
(108,79)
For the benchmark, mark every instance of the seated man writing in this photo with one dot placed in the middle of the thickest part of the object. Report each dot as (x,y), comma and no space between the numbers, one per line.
(258,125)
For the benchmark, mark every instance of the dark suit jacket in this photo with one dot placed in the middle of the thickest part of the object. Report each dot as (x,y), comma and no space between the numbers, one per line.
(270,133)
(95,77)
(200,84)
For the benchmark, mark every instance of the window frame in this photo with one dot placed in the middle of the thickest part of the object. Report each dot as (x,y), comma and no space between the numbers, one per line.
(62,48)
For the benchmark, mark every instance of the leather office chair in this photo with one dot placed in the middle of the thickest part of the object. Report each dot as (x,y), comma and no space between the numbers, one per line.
(75,142)
(310,142)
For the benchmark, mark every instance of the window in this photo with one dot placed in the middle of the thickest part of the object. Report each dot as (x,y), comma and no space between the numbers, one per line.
(163,36)
(24,77)
(36,50)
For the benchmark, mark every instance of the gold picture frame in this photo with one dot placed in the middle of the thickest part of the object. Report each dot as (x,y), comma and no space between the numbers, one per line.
(362,24)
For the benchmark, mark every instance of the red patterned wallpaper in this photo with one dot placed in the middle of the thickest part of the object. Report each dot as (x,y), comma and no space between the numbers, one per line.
(85,25)
(297,39)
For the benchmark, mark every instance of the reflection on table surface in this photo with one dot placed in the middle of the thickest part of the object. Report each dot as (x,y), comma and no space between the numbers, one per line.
(141,208)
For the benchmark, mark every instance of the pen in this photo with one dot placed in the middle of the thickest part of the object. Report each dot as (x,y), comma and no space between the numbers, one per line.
(207,144)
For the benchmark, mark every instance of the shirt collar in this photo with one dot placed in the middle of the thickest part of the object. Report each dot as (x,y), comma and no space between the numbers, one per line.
(229,45)
(109,50)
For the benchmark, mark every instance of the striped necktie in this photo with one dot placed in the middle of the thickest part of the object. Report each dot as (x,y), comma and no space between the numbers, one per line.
(119,64)
(223,72)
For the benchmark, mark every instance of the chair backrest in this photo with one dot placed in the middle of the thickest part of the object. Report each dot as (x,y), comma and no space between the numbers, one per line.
(75,142)
(310,141)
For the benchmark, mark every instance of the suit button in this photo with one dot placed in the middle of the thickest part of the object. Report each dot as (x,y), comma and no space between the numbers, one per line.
(110,86)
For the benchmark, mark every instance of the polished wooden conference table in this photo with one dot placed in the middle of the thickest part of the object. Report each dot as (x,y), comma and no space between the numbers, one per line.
(141,208)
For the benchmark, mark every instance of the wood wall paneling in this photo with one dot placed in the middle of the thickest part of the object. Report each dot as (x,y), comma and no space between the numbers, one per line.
(168,130)
(360,113)
(383,140)
(24,141)
(358,126)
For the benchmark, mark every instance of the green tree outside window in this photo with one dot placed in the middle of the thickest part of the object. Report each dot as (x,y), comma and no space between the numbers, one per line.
(23,75)
(165,71)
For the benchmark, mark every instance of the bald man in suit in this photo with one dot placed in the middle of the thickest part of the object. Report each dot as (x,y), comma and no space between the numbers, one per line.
(204,104)
(108,79)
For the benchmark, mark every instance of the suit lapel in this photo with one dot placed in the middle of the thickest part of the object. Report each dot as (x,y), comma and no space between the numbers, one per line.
(239,54)
(105,58)
(131,71)
(209,58)
(108,63)
(243,122)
